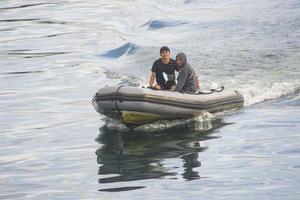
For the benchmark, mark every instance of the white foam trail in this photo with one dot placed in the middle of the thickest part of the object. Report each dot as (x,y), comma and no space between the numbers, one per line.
(256,91)
(114,124)
(199,123)
(259,92)
(124,79)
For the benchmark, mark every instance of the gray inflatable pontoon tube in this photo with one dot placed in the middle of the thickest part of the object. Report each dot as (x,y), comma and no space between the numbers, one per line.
(137,106)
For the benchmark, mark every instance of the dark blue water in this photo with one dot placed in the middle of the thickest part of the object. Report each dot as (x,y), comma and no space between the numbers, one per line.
(55,55)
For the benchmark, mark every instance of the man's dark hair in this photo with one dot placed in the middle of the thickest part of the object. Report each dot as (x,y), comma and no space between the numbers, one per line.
(164,48)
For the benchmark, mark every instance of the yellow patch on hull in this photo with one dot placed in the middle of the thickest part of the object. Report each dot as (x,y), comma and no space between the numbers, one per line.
(137,118)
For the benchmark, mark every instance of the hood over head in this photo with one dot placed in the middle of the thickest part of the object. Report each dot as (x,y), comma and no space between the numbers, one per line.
(182,57)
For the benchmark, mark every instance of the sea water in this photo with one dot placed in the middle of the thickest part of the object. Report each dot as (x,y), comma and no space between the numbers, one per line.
(55,55)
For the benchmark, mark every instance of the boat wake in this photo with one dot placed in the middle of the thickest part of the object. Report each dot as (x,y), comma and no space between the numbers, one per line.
(259,91)
(202,122)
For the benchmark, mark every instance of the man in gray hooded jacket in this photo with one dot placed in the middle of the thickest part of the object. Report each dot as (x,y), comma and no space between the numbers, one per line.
(187,80)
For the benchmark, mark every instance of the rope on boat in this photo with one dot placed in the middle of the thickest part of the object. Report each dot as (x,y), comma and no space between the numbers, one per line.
(116,100)
(209,92)
(212,91)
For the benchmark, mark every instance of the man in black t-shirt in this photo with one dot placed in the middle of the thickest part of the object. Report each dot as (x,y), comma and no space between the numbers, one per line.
(163,71)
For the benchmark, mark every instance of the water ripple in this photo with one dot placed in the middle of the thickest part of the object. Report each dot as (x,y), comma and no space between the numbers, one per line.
(21,72)
(158,24)
(33,55)
(20,20)
(125,49)
(25,6)
(121,189)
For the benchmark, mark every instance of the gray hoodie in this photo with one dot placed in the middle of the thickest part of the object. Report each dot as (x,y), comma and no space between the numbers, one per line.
(186,80)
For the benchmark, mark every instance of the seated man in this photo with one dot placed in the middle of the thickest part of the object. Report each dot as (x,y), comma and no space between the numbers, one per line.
(163,66)
(187,80)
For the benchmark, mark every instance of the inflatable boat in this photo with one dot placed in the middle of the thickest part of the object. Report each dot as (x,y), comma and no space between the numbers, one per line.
(137,106)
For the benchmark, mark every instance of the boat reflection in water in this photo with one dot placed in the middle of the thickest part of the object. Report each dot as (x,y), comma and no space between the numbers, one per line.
(129,156)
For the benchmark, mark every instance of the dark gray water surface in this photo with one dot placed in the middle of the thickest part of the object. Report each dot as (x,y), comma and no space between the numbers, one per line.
(54,56)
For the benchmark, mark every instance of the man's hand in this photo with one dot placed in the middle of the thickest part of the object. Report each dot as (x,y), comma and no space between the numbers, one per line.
(155,87)
(173,88)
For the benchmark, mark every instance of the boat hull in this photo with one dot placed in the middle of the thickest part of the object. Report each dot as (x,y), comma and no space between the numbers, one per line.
(137,106)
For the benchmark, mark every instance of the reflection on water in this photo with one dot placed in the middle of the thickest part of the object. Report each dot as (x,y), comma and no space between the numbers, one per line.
(129,156)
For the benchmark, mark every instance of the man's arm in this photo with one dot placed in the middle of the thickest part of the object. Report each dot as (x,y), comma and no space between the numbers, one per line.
(152,78)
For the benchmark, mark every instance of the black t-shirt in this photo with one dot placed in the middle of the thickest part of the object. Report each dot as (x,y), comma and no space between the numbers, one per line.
(160,68)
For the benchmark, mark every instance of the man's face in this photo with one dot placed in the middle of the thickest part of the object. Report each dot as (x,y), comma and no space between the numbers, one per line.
(165,54)
(179,61)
